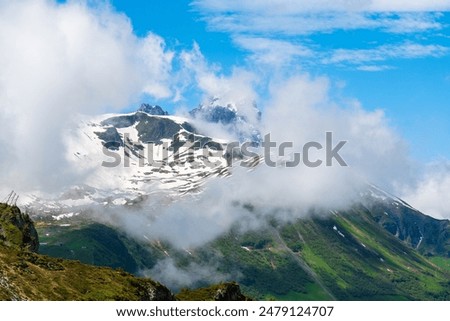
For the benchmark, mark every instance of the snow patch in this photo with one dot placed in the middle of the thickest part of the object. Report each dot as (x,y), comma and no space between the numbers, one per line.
(119,201)
(339,232)
(62,216)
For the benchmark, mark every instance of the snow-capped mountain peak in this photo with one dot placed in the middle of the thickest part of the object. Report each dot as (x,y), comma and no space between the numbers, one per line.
(243,121)
(126,157)
(152,110)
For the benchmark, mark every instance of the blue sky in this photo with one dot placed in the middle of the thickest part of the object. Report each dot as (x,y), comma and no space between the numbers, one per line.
(398,60)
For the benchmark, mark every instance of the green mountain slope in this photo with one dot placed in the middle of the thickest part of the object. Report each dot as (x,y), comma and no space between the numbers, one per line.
(346,255)
(429,236)
(29,276)
(26,275)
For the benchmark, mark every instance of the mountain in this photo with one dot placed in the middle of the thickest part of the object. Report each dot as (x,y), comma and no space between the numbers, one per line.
(425,234)
(244,126)
(344,255)
(152,110)
(216,114)
(131,156)
(380,248)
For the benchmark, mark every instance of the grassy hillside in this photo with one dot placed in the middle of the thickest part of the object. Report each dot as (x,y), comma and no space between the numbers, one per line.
(94,244)
(29,276)
(26,275)
(344,255)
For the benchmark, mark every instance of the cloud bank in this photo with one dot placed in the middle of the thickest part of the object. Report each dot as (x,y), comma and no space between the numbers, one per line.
(58,60)
(302,6)
(430,191)
(300,110)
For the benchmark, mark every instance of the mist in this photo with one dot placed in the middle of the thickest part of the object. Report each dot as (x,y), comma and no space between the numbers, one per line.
(430,191)
(300,110)
(193,275)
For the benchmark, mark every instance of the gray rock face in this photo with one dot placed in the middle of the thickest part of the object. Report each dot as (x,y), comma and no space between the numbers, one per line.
(152,110)
(217,114)
(426,234)
(150,129)
(153,291)
(245,129)
(229,292)
(111,138)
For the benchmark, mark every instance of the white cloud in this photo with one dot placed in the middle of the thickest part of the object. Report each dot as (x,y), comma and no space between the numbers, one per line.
(279,32)
(237,88)
(158,66)
(272,51)
(324,22)
(300,6)
(305,17)
(57,60)
(386,52)
(276,53)
(301,110)
(409,5)
(410,22)
(431,191)
(374,68)
(177,277)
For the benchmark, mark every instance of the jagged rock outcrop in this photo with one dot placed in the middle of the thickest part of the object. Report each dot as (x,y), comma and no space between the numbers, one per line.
(242,125)
(152,110)
(17,229)
(229,291)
